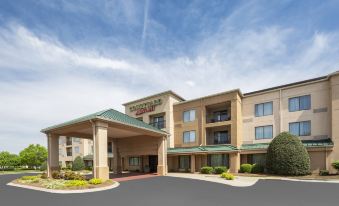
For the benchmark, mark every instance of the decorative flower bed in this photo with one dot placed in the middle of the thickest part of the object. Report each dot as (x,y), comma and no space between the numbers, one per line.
(63,181)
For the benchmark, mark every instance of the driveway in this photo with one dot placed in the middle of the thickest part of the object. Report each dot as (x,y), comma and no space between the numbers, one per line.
(171,191)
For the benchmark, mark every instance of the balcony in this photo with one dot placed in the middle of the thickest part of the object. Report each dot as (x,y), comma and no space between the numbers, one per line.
(159,124)
(218,113)
(218,135)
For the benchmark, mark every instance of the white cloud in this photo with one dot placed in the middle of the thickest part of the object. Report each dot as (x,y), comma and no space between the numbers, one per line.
(190,83)
(21,48)
(69,82)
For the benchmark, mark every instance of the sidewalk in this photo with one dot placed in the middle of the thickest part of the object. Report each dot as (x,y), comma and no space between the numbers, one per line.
(240,181)
(237,182)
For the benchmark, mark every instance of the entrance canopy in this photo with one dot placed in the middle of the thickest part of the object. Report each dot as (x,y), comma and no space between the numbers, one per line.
(120,125)
(129,136)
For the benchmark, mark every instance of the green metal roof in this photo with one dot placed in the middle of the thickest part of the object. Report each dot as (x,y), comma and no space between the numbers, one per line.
(210,148)
(88,157)
(306,143)
(109,115)
(318,143)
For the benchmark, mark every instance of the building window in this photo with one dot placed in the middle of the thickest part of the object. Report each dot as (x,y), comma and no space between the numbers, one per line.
(75,139)
(221,137)
(189,136)
(184,162)
(189,115)
(256,159)
(158,122)
(69,151)
(61,140)
(264,132)
(264,109)
(134,161)
(300,128)
(76,150)
(215,160)
(109,147)
(68,140)
(299,103)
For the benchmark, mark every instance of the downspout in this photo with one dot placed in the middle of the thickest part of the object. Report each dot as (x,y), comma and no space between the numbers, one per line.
(280,110)
(94,148)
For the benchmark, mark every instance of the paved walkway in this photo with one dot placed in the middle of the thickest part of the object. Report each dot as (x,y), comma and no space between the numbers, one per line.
(241,181)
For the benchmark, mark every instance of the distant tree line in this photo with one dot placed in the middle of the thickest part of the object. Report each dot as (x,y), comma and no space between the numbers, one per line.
(32,157)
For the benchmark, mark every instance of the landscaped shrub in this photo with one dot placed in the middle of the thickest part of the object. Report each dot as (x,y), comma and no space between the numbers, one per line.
(324,173)
(257,168)
(206,170)
(69,175)
(78,164)
(95,181)
(245,168)
(335,165)
(44,175)
(29,177)
(90,168)
(57,175)
(286,155)
(76,183)
(53,184)
(220,170)
(227,176)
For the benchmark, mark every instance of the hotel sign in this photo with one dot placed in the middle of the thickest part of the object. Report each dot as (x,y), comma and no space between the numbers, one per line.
(145,107)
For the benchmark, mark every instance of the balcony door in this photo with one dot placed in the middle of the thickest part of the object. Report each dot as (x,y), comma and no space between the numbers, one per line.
(221,137)
(158,122)
(220,116)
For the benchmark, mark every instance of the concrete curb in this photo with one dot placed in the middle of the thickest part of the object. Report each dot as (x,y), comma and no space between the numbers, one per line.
(244,181)
(116,184)
(302,180)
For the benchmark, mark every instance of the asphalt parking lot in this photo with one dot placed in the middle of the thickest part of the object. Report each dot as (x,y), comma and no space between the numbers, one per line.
(171,191)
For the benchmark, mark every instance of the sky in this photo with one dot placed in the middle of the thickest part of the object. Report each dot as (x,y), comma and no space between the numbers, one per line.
(63,59)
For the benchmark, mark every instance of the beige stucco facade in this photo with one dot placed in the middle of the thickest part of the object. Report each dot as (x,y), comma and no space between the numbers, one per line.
(215,129)
(72,147)
(164,109)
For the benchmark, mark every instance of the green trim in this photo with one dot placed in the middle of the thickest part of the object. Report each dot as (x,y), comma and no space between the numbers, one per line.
(88,157)
(110,115)
(258,146)
(209,148)
(306,143)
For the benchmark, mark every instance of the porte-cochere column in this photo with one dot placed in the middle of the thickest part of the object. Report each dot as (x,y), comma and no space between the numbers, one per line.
(100,157)
(53,153)
(162,156)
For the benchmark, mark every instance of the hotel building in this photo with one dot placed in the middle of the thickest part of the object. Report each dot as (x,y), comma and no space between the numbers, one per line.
(164,132)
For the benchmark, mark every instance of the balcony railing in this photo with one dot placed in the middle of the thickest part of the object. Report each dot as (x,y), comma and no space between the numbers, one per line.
(210,119)
(218,139)
(159,124)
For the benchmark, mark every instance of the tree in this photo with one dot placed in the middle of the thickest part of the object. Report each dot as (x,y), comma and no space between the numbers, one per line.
(4,158)
(286,155)
(78,164)
(14,160)
(8,160)
(33,156)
